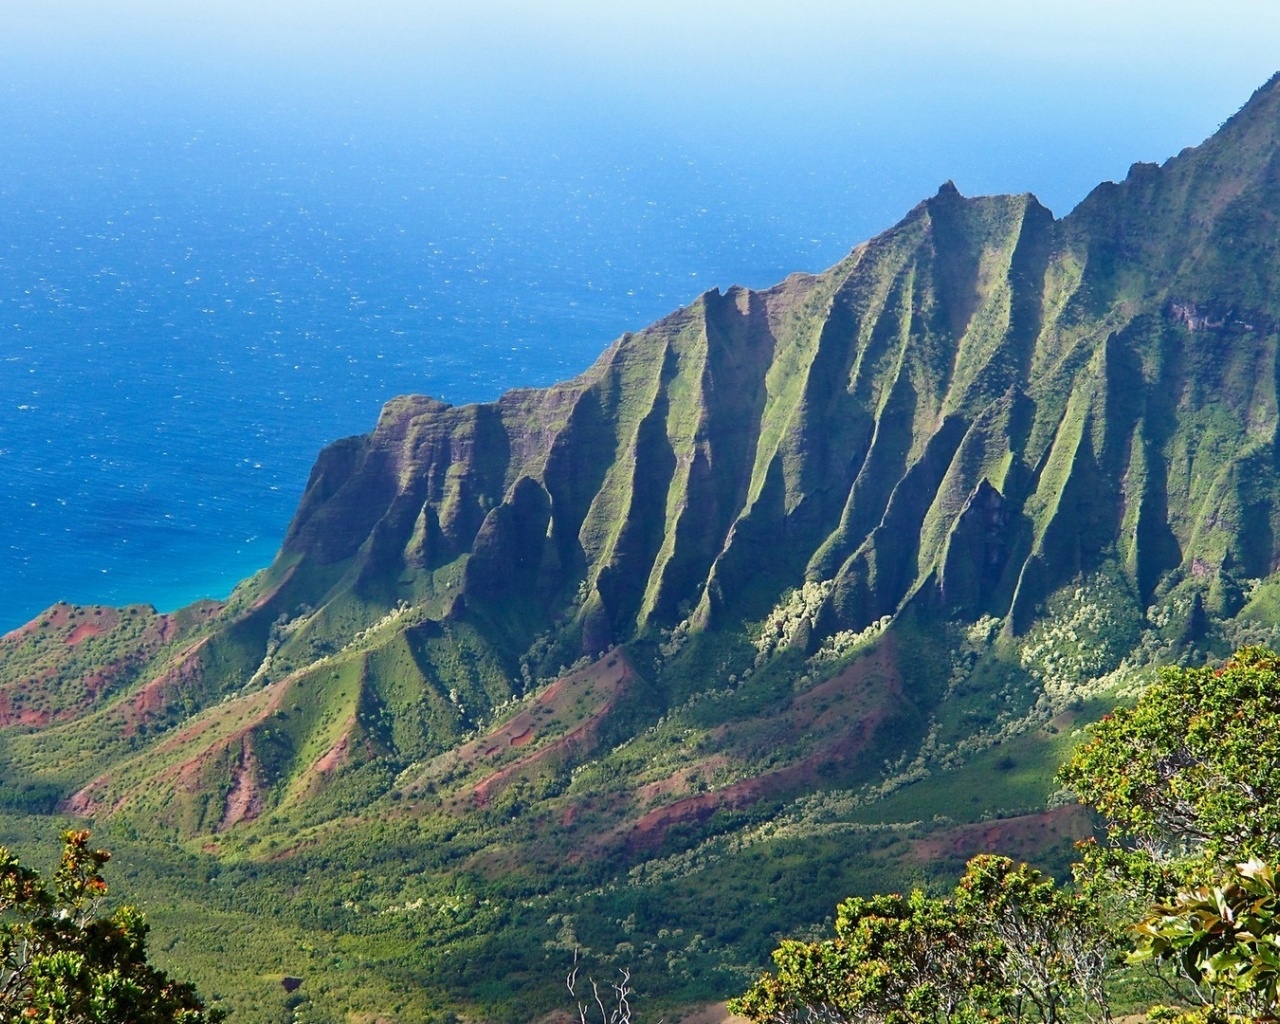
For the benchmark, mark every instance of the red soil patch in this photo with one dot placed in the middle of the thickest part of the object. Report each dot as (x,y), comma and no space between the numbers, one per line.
(579,740)
(153,698)
(15,699)
(95,684)
(83,632)
(185,736)
(335,756)
(327,763)
(683,781)
(596,686)
(85,801)
(244,802)
(10,715)
(1023,837)
(649,830)
(26,629)
(63,690)
(164,630)
(827,711)
(58,616)
(55,617)
(607,677)
(843,713)
(190,772)
(828,703)
(266,598)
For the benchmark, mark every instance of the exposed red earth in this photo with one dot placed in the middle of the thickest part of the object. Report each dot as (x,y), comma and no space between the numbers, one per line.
(244,802)
(153,698)
(84,631)
(68,677)
(1024,837)
(838,719)
(591,691)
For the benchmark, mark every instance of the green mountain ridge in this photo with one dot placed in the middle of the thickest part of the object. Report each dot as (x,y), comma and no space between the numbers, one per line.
(825,560)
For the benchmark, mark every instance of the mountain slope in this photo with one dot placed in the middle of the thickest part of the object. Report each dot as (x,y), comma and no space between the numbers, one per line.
(854,550)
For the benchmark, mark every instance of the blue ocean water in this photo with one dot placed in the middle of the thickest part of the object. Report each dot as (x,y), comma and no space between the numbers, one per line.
(189,311)
(195,299)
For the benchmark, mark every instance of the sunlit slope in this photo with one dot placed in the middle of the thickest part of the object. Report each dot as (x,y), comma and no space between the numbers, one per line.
(988,454)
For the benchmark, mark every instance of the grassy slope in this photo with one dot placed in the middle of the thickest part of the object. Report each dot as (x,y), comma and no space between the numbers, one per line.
(873,545)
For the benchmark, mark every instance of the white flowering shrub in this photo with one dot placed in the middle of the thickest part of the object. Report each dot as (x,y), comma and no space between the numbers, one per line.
(796,608)
(1088,630)
(847,641)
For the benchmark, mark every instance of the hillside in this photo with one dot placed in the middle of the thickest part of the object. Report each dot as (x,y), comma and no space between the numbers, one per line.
(793,591)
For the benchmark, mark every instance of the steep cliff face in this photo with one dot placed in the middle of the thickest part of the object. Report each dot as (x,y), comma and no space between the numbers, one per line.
(967,412)
(832,427)
(983,419)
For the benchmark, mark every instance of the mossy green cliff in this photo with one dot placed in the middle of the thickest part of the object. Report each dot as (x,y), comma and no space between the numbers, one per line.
(784,561)
(966,412)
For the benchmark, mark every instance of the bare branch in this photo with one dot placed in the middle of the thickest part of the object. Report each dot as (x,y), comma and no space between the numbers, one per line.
(619,1010)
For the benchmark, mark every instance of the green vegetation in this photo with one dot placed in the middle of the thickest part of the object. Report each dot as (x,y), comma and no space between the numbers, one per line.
(793,592)
(1187,780)
(1191,768)
(62,963)
(1005,945)
(1223,938)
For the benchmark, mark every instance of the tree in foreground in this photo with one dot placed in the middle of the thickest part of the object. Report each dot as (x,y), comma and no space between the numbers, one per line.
(62,963)
(1007,945)
(1189,782)
(1191,772)
(1223,938)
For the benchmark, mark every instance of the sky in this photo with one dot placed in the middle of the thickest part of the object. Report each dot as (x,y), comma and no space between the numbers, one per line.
(997,95)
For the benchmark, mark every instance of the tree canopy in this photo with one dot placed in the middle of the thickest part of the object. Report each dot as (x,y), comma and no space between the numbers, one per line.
(1188,779)
(1194,765)
(1007,944)
(63,963)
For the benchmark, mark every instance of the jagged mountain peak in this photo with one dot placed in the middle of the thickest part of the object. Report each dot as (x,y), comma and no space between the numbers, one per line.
(961,421)
(1201,226)
(824,414)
